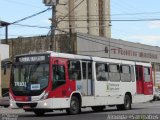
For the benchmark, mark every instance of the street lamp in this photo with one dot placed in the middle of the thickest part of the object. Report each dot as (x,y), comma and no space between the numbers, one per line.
(5,24)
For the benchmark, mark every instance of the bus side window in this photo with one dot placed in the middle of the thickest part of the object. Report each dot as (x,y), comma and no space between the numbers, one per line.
(101,71)
(114,74)
(89,70)
(125,73)
(132,73)
(74,70)
(58,76)
(147,74)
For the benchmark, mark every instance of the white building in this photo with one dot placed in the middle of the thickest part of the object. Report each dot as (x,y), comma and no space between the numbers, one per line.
(4,51)
(88,16)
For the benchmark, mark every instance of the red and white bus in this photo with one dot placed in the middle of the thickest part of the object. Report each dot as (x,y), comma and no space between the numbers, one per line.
(54,81)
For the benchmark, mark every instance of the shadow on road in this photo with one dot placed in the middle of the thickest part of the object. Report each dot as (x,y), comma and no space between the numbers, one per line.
(52,114)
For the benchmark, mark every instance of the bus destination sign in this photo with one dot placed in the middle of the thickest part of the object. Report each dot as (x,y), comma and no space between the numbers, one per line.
(32,59)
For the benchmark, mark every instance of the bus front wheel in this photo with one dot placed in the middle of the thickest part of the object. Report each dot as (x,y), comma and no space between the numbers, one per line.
(75,107)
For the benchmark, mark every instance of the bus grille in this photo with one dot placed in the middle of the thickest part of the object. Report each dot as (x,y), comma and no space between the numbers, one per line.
(21,105)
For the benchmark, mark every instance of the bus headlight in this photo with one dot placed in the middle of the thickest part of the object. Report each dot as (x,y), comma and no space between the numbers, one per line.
(44,96)
(45,104)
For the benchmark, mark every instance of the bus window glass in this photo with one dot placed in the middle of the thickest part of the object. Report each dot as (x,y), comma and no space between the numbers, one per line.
(101,72)
(125,73)
(89,70)
(74,70)
(132,74)
(30,79)
(58,76)
(114,74)
(147,74)
(84,70)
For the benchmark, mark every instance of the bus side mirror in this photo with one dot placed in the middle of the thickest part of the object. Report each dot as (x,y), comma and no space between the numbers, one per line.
(6,65)
(5,68)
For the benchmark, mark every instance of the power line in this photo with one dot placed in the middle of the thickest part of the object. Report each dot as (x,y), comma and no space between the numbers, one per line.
(71,11)
(28,17)
(32,26)
(119,20)
(118,14)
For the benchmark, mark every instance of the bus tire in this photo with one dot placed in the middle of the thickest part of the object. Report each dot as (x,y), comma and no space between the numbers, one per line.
(98,108)
(75,106)
(127,103)
(39,112)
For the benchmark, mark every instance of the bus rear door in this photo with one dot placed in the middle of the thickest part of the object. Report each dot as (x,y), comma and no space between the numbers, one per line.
(144,80)
(148,84)
(139,79)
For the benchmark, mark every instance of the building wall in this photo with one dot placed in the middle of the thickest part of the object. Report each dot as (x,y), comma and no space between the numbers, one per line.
(25,45)
(89,17)
(115,48)
(4,51)
(0,80)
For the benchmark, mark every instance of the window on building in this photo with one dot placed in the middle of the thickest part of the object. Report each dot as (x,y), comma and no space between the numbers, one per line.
(101,72)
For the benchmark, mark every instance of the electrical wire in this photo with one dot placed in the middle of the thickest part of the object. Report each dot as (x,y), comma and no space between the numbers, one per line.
(71,11)
(118,20)
(28,17)
(32,26)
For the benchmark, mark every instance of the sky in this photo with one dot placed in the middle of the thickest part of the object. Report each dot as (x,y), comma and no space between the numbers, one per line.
(146,32)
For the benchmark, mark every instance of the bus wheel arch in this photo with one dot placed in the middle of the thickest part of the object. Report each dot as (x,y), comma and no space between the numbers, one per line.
(127,105)
(75,104)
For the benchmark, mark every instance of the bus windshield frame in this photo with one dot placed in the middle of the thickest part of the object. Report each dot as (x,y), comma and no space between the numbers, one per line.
(29,78)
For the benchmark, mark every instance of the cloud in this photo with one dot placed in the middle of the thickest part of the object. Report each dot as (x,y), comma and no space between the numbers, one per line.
(146,39)
(154,24)
(47,21)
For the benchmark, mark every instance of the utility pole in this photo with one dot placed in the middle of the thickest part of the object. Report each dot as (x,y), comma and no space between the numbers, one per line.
(53,26)
(52,3)
(5,24)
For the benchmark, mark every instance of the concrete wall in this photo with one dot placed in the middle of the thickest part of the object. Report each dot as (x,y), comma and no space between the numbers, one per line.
(86,17)
(39,44)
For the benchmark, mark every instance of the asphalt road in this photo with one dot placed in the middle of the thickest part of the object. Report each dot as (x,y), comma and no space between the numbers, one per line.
(145,109)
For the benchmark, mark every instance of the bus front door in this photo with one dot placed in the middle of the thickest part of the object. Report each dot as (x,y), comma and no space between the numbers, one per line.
(87,82)
(144,80)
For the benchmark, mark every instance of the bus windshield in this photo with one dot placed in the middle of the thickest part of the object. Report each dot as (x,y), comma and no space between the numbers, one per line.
(29,79)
